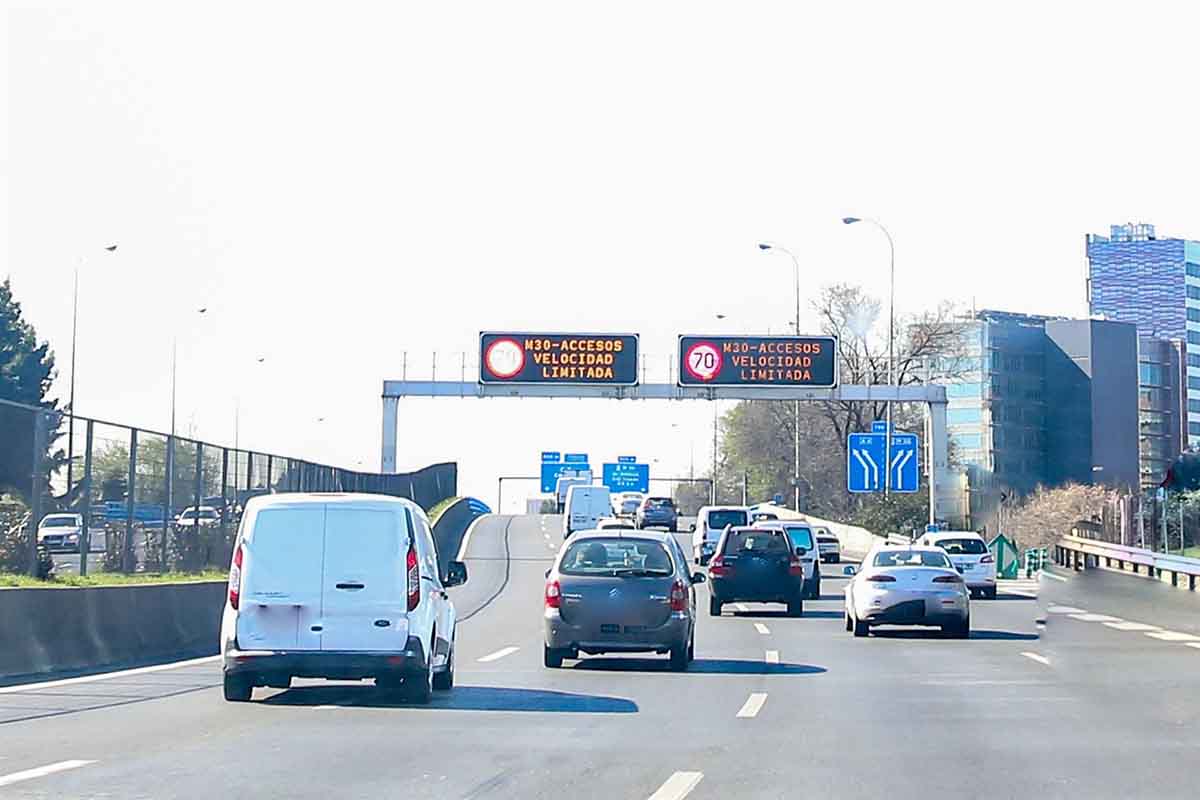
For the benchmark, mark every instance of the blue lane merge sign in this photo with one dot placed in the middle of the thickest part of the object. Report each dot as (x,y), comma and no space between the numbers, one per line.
(576,458)
(626,477)
(551,457)
(866,459)
(626,459)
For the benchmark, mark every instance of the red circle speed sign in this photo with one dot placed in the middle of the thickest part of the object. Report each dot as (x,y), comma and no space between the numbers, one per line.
(504,358)
(703,361)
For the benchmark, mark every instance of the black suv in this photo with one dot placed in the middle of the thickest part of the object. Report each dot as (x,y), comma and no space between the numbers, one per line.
(658,512)
(757,565)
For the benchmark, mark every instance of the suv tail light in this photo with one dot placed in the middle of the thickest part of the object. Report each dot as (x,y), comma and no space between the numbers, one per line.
(679,597)
(988,559)
(881,579)
(414,577)
(795,565)
(235,579)
(947,579)
(553,595)
(717,568)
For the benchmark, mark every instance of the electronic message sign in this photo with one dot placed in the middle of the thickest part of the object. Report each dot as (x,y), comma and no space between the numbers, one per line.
(573,359)
(809,361)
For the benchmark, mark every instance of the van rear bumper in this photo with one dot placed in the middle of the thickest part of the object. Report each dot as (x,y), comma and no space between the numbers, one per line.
(333,664)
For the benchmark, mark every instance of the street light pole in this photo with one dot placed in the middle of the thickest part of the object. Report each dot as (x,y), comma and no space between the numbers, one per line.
(887,475)
(74,338)
(766,246)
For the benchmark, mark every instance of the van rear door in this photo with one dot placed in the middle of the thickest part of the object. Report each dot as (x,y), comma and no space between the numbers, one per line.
(281,580)
(363,586)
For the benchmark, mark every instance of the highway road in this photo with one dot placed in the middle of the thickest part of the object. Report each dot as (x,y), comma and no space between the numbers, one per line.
(773,707)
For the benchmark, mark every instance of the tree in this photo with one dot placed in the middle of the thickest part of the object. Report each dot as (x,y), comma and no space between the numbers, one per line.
(26,373)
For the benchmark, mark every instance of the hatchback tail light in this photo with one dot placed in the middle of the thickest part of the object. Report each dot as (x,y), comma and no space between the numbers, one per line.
(414,577)
(881,579)
(235,579)
(717,568)
(679,597)
(553,595)
(987,559)
(947,579)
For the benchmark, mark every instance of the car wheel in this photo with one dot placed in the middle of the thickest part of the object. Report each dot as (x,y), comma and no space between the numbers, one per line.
(861,629)
(795,608)
(836,559)
(691,654)
(990,593)
(849,622)
(551,658)
(418,686)
(815,592)
(237,689)
(444,681)
(714,607)
(674,527)
(679,659)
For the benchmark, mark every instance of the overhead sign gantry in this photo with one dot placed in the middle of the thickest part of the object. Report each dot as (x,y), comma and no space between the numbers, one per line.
(566,359)
(758,361)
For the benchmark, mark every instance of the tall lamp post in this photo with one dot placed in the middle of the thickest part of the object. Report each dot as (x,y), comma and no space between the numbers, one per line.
(887,474)
(767,247)
(112,248)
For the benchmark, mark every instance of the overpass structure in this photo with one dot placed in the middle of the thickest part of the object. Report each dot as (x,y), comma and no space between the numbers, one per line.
(943,497)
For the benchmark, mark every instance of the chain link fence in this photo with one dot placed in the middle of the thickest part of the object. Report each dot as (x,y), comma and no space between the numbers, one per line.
(122,498)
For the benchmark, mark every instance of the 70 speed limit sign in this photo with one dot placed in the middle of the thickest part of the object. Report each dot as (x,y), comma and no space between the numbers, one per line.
(702,361)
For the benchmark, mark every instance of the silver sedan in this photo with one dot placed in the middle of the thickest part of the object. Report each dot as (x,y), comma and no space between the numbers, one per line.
(908,585)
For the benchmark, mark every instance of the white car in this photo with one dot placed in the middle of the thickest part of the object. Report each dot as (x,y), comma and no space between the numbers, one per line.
(614,524)
(62,533)
(206,517)
(338,586)
(907,585)
(626,504)
(970,555)
(802,539)
(711,522)
(828,544)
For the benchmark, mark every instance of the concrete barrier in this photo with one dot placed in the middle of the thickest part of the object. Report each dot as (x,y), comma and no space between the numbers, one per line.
(451,527)
(60,630)
(855,541)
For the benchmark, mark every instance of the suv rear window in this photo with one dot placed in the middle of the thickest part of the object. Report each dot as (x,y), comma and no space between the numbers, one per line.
(730,516)
(756,541)
(962,547)
(659,502)
(616,556)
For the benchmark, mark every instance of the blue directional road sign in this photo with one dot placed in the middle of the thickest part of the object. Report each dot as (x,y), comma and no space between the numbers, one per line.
(626,477)
(552,472)
(575,458)
(551,457)
(866,455)
(879,426)
(626,459)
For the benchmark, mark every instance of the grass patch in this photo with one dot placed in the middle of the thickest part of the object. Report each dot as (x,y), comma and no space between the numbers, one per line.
(1192,552)
(10,580)
(440,509)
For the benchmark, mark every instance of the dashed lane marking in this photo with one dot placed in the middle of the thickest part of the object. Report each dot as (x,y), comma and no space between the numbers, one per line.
(1173,636)
(763,629)
(678,786)
(499,654)
(772,656)
(752,706)
(1036,657)
(1054,577)
(1066,610)
(41,772)
(1095,618)
(1131,626)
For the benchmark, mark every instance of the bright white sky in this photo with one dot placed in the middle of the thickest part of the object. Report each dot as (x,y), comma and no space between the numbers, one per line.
(341,183)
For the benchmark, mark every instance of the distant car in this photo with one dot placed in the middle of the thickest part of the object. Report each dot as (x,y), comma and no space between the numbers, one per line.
(626,504)
(828,544)
(907,585)
(620,592)
(206,517)
(585,507)
(658,512)
(970,555)
(63,533)
(711,522)
(613,524)
(757,565)
(763,516)
(802,539)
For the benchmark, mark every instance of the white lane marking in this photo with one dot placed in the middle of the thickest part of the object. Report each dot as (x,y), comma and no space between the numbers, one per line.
(1193,644)
(41,772)
(1035,657)
(1054,577)
(104,676)
(772,656)
(678,786)
(499,654)
(466,542)
(1066,610)
(763,629)
(1095,618)
(1173,636)
(1132,626)
(324,708)
(753,705)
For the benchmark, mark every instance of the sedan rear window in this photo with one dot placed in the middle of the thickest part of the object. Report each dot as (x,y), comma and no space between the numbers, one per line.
(911,558)
(963,547)
(634,557)
(719,519)
(756,541)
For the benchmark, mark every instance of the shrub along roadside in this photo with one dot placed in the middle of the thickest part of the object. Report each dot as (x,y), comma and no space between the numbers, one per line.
(10,580)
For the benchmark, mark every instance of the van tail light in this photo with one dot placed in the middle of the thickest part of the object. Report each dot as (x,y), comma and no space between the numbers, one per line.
(553,595)
(987,559)
(881,579)
(947,579)
(414,578)
(679,597)
(717,568)
(235,579)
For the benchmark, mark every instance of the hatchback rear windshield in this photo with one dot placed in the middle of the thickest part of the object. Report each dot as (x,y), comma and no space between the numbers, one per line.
(659,502)
(719,519)
(911,558)
(616,557)
(800,536)
(756,541)
(963,547)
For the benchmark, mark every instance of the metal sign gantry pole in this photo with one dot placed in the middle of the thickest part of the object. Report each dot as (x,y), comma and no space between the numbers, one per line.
(942,497)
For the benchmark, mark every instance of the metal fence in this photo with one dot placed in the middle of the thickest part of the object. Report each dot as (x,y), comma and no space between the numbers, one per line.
(150,501)
(1156,522)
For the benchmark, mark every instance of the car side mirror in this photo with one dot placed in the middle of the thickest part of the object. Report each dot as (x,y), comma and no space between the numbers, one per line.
(848,570)
(692,528)
(801,551)
(699,577)
(456,574)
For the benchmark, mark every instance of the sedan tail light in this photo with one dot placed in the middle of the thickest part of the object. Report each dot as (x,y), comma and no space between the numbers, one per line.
(717,568)
(679,597)
(414,578)
(947,579)
(553,595)
(881,579)
(235,579)
(987,559)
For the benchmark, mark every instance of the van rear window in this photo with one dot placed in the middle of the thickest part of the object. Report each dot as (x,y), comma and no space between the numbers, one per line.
(729,516)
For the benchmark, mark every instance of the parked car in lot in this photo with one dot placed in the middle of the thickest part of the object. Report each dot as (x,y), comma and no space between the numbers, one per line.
(620,592)
(969,553)
(828,544)
(338,586)
(711,522)
(757,565)
(585,507)
(658,512)
(804,544)
(203,517)
(907,585)
(63,533)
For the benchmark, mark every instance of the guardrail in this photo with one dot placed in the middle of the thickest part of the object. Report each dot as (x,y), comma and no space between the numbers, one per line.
(1077,553)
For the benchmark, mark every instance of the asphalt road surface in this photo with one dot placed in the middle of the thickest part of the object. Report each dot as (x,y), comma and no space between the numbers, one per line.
(773,707)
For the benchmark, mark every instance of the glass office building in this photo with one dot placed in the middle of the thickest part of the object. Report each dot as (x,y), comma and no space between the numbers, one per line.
(1134,276)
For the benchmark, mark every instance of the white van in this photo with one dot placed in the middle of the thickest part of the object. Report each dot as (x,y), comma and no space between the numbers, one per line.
(586,506)
(710,523)
(338,586)
(971,557)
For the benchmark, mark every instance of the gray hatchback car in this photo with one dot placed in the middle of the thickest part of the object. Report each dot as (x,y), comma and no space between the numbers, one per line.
(615,591)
